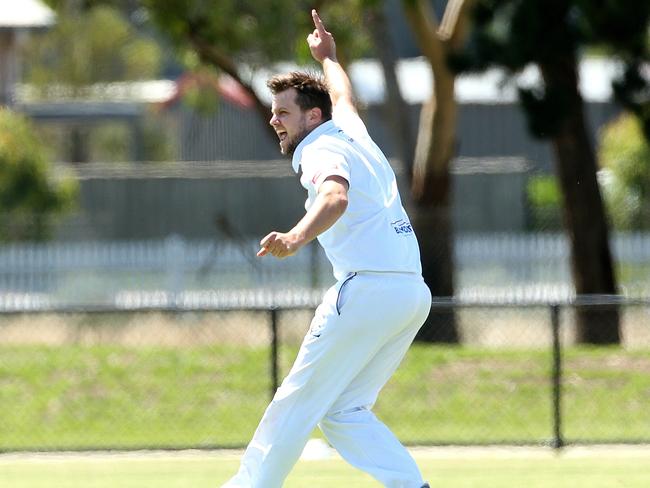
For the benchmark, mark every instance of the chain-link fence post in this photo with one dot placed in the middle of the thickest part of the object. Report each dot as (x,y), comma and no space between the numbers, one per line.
(174,254)
(314,276)
(556,378)
(274,350)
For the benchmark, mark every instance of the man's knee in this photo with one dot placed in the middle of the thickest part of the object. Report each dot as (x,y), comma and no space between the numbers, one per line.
(339,418)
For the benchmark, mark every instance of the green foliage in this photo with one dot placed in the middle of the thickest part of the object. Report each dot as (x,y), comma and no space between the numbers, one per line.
(347,20)
(158,144)
(252,32)
(112,141)
(29,196)
(201,90)
(97,45)
(515,33)
(109,142)
(544,202)
(543,191)
(248,31)
(624,154)
(94,42)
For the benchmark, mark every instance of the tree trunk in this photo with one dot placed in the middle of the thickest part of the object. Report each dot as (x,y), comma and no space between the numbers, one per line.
(436,144)
(8,66)
(584,214)
(435,236)
(79,151)
(431,191)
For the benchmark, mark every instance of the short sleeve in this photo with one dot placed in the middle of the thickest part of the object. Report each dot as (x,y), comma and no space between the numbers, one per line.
(318,165)
(347,119)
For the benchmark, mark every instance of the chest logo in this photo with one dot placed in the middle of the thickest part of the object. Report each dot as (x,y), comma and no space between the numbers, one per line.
(402,227)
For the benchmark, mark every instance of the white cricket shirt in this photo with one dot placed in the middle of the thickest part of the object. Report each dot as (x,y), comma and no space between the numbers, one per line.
(374,233)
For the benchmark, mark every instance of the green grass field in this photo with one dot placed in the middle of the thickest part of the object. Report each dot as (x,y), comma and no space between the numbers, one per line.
(83,397)
(455,469)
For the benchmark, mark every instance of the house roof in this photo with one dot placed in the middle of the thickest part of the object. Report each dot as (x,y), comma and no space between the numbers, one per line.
(494,86)
(415,78)
(490,87)
(147,91)
(26,14)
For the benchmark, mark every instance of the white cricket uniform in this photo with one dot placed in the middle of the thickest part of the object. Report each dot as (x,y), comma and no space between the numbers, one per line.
(362,329)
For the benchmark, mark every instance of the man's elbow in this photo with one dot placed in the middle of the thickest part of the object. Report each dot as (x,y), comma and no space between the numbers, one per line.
(338,202)
(334,192)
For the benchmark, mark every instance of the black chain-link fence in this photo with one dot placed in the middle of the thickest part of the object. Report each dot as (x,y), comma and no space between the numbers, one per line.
(178,378)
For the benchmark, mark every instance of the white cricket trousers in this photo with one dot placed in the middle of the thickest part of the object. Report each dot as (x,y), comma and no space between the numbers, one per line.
(357,338)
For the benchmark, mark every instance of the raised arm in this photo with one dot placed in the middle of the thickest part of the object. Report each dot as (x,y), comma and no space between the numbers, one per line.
(323,49)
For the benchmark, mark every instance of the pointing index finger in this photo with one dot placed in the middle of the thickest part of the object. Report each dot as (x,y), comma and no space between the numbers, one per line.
(267,239)
(317,22)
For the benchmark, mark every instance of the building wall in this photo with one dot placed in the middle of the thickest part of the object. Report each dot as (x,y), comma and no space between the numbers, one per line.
(484,131)
(141,206)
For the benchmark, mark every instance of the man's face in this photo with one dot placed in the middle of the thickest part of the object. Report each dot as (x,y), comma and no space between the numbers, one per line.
(290,123)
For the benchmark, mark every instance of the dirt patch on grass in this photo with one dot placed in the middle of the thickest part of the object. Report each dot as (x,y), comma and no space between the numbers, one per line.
(490,327)
(138,329)
(612,362)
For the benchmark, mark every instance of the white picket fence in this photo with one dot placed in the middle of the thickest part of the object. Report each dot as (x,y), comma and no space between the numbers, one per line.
(492,267)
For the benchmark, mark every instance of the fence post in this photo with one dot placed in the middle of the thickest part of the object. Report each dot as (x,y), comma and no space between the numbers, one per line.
(556,378)
(314,279)
(174,254)
(274,350)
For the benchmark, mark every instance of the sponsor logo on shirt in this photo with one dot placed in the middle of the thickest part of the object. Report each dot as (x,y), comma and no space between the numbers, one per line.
(402,227)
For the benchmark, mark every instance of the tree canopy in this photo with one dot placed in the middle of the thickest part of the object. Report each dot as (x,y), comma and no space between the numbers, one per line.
(515,33)
(624,154)
(89,46)
(30,195)
(553,35)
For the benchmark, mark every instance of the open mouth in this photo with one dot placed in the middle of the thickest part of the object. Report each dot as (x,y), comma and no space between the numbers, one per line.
(282,135)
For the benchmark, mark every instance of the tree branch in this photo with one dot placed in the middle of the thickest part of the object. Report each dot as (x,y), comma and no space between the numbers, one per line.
(210,54)
(454,27)
(421,16)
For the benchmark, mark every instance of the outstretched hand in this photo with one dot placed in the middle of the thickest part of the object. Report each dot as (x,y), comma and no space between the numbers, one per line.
(321,43)
(279,244)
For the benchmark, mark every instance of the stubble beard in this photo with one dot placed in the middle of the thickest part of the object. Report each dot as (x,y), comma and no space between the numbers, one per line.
(293,143)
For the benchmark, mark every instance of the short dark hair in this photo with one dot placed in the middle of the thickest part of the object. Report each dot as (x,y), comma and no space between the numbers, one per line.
(312,90)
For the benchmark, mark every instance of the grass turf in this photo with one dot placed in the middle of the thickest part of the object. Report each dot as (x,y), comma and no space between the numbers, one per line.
(82,397)
(536,470)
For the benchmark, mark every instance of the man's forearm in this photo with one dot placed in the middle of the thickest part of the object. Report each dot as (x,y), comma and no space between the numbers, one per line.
(338,82)
(323,49)
(325,211)
(329,205)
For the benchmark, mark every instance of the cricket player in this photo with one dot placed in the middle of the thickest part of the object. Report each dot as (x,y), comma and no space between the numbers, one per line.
(368,319)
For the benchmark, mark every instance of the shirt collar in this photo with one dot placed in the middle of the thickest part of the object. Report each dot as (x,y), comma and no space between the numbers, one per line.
(309,138)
